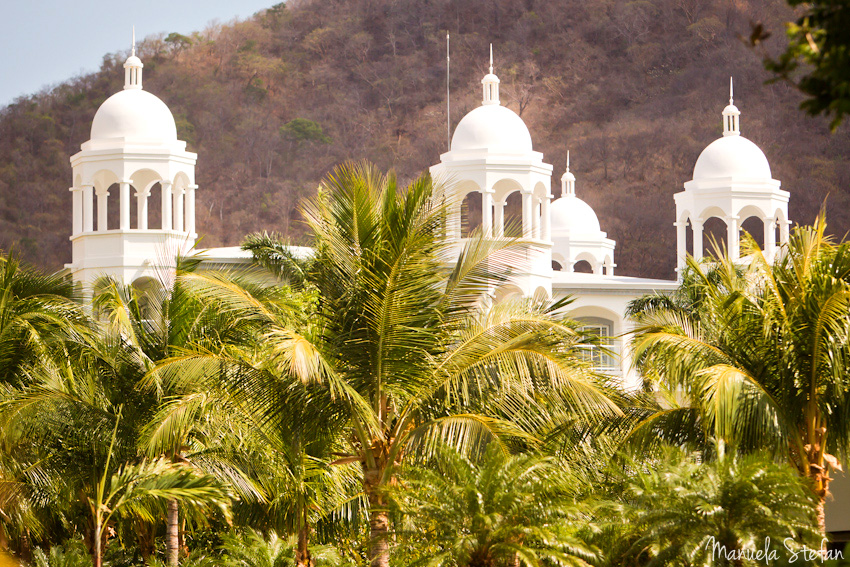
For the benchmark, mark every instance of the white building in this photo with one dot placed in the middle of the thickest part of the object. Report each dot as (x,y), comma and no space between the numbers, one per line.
(134,150)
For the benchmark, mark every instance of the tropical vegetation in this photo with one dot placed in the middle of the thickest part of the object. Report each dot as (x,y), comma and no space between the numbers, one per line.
(372,403)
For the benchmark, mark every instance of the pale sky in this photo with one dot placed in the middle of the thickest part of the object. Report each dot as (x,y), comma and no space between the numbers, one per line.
(44,42)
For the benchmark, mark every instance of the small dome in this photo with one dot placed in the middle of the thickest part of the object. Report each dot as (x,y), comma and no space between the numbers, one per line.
(134,114)
(133,61)
(490,78)
(493,128)
(570,214)
(732,156)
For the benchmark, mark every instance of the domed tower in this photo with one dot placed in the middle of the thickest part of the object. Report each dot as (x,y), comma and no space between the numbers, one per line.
(491,154)
(732,181)
(576,233)
(132,165)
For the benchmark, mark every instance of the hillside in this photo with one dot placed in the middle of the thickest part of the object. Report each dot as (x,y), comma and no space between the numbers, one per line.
(634,89)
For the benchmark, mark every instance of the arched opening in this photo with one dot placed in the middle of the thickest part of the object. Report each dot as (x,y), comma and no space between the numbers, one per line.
(755,227)
(470,213)
(714,237)
(513,215)
(507,291)
(155,206)
(113,207)
(556,266)
(689,238)
(541,295)
(583,267)
(134,205)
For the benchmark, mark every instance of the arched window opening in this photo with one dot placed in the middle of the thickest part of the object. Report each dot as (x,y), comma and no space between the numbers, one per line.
(155,207)
(470,214)
(513,215)
(113,207)
(754,226)
(583,267)
(714,236)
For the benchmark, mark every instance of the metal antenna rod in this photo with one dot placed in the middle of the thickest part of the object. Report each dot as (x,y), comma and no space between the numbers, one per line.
(448,99)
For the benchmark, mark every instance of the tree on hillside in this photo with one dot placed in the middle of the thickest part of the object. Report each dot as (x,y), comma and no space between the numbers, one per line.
(761,352)
(817,59)
(407,352)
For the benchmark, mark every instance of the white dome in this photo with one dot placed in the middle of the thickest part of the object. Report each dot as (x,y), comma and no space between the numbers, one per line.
(134,114)
(571,214)
(493,128)
(732,156)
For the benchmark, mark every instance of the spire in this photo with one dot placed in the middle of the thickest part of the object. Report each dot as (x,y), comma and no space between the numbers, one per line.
(568,180)
(491,84)
(491,58)
(731,116)
(133,67)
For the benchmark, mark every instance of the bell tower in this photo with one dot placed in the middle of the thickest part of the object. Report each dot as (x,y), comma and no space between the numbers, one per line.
(134,188)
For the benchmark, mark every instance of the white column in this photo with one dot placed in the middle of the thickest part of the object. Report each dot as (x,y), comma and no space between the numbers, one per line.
(527,213)
(142,209)
(166,205)
(178,208)
(102,195)
(190,208)
(545,220)
(535,219)
(499,222)
(487,212)
(88,208)
(697,229)
(453,228)
(784,226)
(124,204)
(76,210)
(597,268)
(769,237)
(681,245)
(733,237)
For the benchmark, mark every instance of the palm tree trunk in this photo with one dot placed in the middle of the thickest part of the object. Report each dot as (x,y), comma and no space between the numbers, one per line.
(98,544)
(302,554)
(379,520)
(172,537)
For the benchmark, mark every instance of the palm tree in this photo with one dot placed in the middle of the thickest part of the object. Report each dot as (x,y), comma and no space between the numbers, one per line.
(38,313)
(151,323)
(762,360)
(407,349)
(133,487)
(677,509)
(504,511)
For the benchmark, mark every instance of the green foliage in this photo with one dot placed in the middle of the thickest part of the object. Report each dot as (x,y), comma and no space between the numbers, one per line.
(673,509)
(817,58)
(459,512)
(301,130)
(71,553)
(757,356)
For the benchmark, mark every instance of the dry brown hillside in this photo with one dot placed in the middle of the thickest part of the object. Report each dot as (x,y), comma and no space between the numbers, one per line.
(634,88)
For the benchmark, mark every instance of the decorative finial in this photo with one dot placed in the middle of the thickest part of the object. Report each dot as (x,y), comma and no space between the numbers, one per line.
(568,160)
(730,90)
(491,84)
(491,58)
(134,42)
